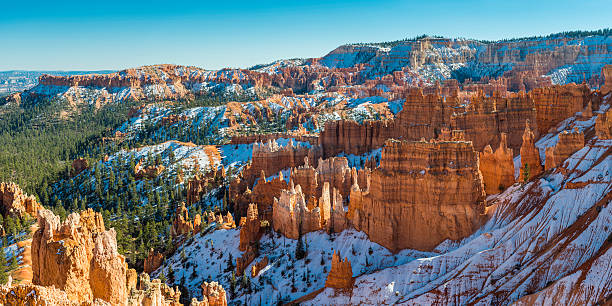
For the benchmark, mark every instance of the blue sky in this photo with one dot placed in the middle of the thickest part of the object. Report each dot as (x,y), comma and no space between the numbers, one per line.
(89,35)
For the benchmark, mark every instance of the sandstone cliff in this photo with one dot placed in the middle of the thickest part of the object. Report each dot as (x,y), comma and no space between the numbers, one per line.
(497,168)
(556,103)
(422,194)
(603,125)
(341,274)
(530,157)
(15,202)
(249,228)
(79,257)
(568,144)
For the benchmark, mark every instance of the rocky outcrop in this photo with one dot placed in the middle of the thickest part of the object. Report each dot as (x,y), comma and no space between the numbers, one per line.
(79,257)
(213,295)
(421,194)
(341,274)
(260,265)
(263,194)
(603,125)
(291,216)
(497,168)
(15,202)
(530,157)
(153,261)
(268,158)
(153,293)
(181,225)
(485,118)
(223,221)
(556,103)
(202,183)
(78,165)
(606,73)
(245,260)
(149,172)
(28,294)
(249,228)
(568,144)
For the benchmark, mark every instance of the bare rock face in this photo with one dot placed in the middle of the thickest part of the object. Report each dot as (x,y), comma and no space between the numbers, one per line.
(268,158)
(214,295)
(79,257)
(606,72)
(341,274)
(249,228)
(497,168)
(246,259)
(15,202)
(264,192)
(292,217)
(149,172)
(530,157)
(153,261)
(603,124)
(181,224)
(153,293)
(78,165)
(568,144)
(485,118)
(28,294)
(421,194)
(202,183)
(555,103)
(260,265)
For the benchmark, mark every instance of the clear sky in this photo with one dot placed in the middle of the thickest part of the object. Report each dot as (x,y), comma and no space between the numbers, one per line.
(111,34)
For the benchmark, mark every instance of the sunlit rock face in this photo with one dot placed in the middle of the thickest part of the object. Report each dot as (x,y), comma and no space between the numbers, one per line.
(79,257)
(497,167)
(422,194)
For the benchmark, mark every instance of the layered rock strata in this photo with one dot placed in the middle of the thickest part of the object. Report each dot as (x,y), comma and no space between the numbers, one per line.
(603,125)
(422,194)
(79,257)
(15,202)
(555,103)
(497,168)
(153,261)
(530,156)
(568,144)
(341,274)
(249,228)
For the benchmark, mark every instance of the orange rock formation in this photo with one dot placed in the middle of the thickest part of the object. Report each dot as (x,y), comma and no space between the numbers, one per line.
(213,295)
(556,103)
(79,256)
(153,261)
(249,228)
(341,274)
(569,142)
(181,224)
(497,168)
(603,124)
(606,72)
(15,202)
(260,265)
(421,194)
(530,157)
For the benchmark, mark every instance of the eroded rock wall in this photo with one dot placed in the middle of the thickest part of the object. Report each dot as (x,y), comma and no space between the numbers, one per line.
(422,194)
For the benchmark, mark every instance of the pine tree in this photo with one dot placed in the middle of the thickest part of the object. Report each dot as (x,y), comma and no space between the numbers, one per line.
(526,173)
(3,267)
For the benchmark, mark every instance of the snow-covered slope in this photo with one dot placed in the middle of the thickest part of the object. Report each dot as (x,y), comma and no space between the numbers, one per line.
(539,233)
